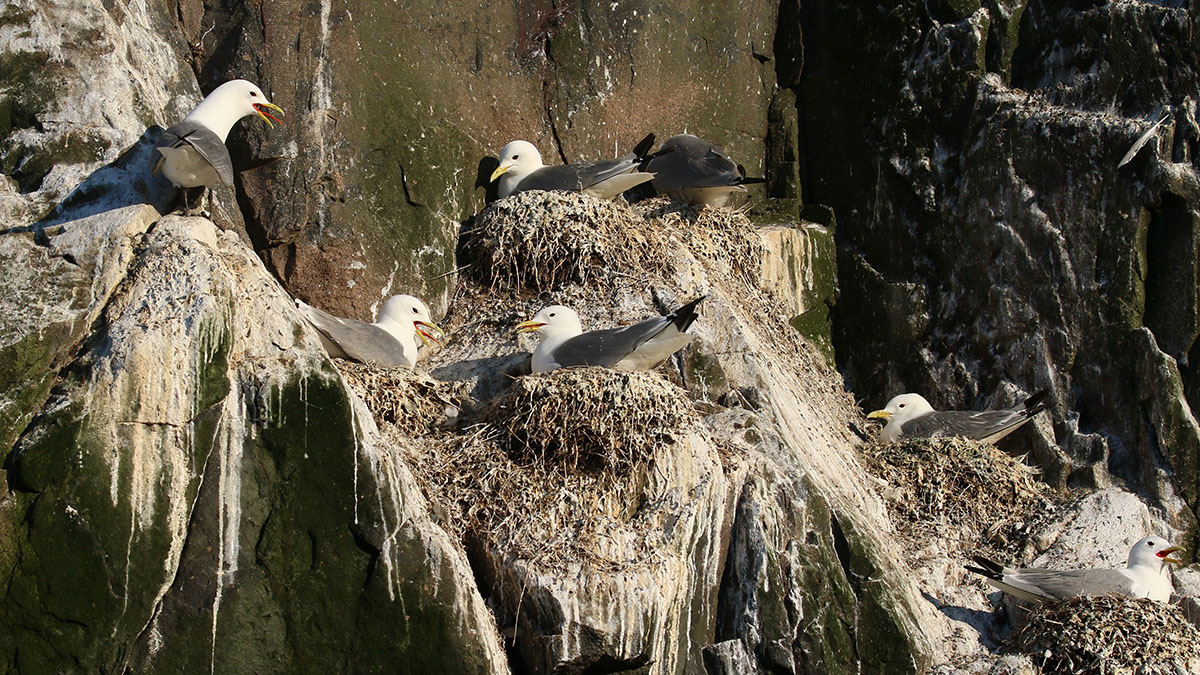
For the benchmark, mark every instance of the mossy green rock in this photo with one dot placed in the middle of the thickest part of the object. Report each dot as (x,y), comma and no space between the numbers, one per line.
(393,105)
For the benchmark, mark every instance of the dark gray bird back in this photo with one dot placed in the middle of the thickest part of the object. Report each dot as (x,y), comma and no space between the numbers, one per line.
(975,425)
(360,341)
(576,177)
(205,142)
(607,347)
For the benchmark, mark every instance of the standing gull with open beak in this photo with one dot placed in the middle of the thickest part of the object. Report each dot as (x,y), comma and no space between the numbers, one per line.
(195,153)
(391,341)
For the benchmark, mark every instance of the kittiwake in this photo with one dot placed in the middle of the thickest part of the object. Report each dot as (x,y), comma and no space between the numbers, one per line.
(689,169)
(196,154)
(911,416)
(521,169)
(391,341)
(1146,576)
(642,346)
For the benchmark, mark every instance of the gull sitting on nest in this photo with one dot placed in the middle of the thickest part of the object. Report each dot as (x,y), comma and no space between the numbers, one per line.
(690,169)
(391,341)
(911,416)
(521,169)
(642,346)
(1146,576)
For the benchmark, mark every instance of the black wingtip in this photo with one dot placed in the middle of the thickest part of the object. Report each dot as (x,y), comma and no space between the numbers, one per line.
(642,149)
(976,570)
(751,181)
(1036,403)
(988,568)
(684,316)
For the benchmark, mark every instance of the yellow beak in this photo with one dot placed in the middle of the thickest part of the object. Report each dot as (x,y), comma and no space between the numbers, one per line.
(880,415)
(500,171)
(266,116)
(1163,554)
(427,337)
(529,326)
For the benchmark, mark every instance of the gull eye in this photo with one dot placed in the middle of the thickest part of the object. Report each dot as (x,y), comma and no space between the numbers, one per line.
(1150,544)
(516,157)
(903,404)
(254,94)
(414,309)
(551,315)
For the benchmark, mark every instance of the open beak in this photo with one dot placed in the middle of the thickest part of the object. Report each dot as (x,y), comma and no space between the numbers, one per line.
(260,108)
(880,415)
(428,337)
(529,326)
(1164,554)
(500,171)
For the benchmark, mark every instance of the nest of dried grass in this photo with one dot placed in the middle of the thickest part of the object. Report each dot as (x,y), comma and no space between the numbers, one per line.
(940,487)
(590,418)
(541,240)
(409,399)
(1109,634)
(721,237)
(542,513)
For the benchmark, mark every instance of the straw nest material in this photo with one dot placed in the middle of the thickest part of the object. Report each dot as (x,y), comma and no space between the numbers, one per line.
(543,513)
(1109,634)
(556,474)
(590,418)
(722,237)
(945,487)
(542,240)
(411,400)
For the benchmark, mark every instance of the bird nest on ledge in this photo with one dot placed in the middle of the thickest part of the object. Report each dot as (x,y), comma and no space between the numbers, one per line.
(937,486)
(556,474)
(590,418)
(1109,634)
(540,241)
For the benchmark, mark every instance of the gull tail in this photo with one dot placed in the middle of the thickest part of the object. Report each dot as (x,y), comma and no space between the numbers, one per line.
(642,149)
(1036,403)
(684,316)
(748,180)
(987,568)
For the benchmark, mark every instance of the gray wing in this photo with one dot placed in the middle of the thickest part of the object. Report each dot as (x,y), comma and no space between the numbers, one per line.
(362,342)
(206,143)
(686,161)
(1057,585)
(607,347)
(975,425)
(577,177)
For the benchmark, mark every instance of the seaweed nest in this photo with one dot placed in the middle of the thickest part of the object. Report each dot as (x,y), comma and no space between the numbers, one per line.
(409,399)
(542,240)
(939,486)
(590,418)
(1109,634)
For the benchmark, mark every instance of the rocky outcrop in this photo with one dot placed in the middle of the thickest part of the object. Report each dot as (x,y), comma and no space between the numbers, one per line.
(987,235)
(197,467)
(189,482)
(390,109)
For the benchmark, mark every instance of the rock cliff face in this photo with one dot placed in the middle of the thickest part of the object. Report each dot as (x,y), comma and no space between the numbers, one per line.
(190,483)
(987,234)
